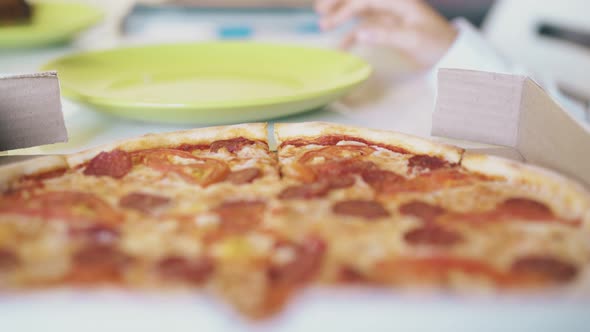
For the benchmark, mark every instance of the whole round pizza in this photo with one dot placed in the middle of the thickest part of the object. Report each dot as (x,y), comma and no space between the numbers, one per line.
(334,206)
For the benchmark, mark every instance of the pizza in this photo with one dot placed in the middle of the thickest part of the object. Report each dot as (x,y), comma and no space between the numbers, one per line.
(217,209)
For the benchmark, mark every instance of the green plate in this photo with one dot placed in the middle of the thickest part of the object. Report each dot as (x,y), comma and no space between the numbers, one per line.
(52,23)
(208,83)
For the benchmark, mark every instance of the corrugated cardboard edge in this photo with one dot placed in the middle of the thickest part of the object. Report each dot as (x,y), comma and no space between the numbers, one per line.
(33,75)
(536,126)
(21,97)
(549,136)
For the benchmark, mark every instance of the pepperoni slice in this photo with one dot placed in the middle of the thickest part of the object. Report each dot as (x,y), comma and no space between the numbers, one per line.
(433,235)
(545,267)
(231,145)
(68,205)
(525,208)
(8,260)
(428,163)
(336,153)
(243,176)
(194,271)
(349,274)
(116,164)
(202,171)
(428,182)
(341,182)
(427,212)
(514,209)
(143,202)
(98,263)
(380,180)
(336,169)
(306,264)
(360,208)
(240,216)
(305,191)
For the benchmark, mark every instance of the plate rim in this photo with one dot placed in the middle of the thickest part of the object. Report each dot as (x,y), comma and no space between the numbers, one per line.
(361,74)
(48,37)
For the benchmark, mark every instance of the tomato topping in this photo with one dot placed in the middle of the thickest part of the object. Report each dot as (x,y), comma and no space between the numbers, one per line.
(202,171)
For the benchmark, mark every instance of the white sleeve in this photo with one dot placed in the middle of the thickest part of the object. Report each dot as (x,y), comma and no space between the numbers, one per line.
(472,51)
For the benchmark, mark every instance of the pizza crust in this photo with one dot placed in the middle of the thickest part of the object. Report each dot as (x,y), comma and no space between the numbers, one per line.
(575,202)
(312,130)
(14,171)
(251,131)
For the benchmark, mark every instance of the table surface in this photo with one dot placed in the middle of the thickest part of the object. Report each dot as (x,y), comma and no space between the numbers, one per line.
(395,98)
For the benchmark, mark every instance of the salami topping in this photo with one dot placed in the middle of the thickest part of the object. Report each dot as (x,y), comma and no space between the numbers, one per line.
(545,267)
(231,145)
(515,209)
(425,162)
(305,191)
(525,208)
(116,164)
(343,168)
(433,235)
(427,212)
(362,209)
(143,202)
(240,216)
(98,263)
(307,263)
(98,254)
(381,180)
(8,260)
(350,275)
(244,176)
(427,182)
(194,271)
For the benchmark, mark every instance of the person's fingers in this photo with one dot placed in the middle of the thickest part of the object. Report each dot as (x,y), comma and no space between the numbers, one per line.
(398,36)
(346,11)
(348,41)
(325,6)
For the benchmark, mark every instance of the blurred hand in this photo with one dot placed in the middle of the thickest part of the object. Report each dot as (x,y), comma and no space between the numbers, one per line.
(410,26)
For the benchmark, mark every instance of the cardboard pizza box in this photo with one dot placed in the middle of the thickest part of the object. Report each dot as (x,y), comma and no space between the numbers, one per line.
(30,111)
(514,112)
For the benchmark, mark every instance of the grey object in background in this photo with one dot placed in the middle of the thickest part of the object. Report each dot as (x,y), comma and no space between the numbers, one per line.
(30,111)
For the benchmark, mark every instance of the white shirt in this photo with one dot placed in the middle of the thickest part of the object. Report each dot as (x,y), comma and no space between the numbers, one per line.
(471,51)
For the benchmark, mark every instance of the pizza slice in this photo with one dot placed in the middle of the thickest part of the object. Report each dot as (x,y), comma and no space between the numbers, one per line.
(118,213)
(398,210)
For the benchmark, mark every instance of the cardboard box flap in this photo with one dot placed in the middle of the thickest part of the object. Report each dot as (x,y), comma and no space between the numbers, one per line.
(30,111)
(512,111)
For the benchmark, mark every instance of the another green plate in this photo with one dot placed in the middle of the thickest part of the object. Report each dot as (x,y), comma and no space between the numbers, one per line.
(209,83)
(52,23)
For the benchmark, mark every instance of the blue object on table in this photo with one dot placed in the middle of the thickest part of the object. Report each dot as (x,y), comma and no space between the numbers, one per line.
(234,32)
(228,23)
